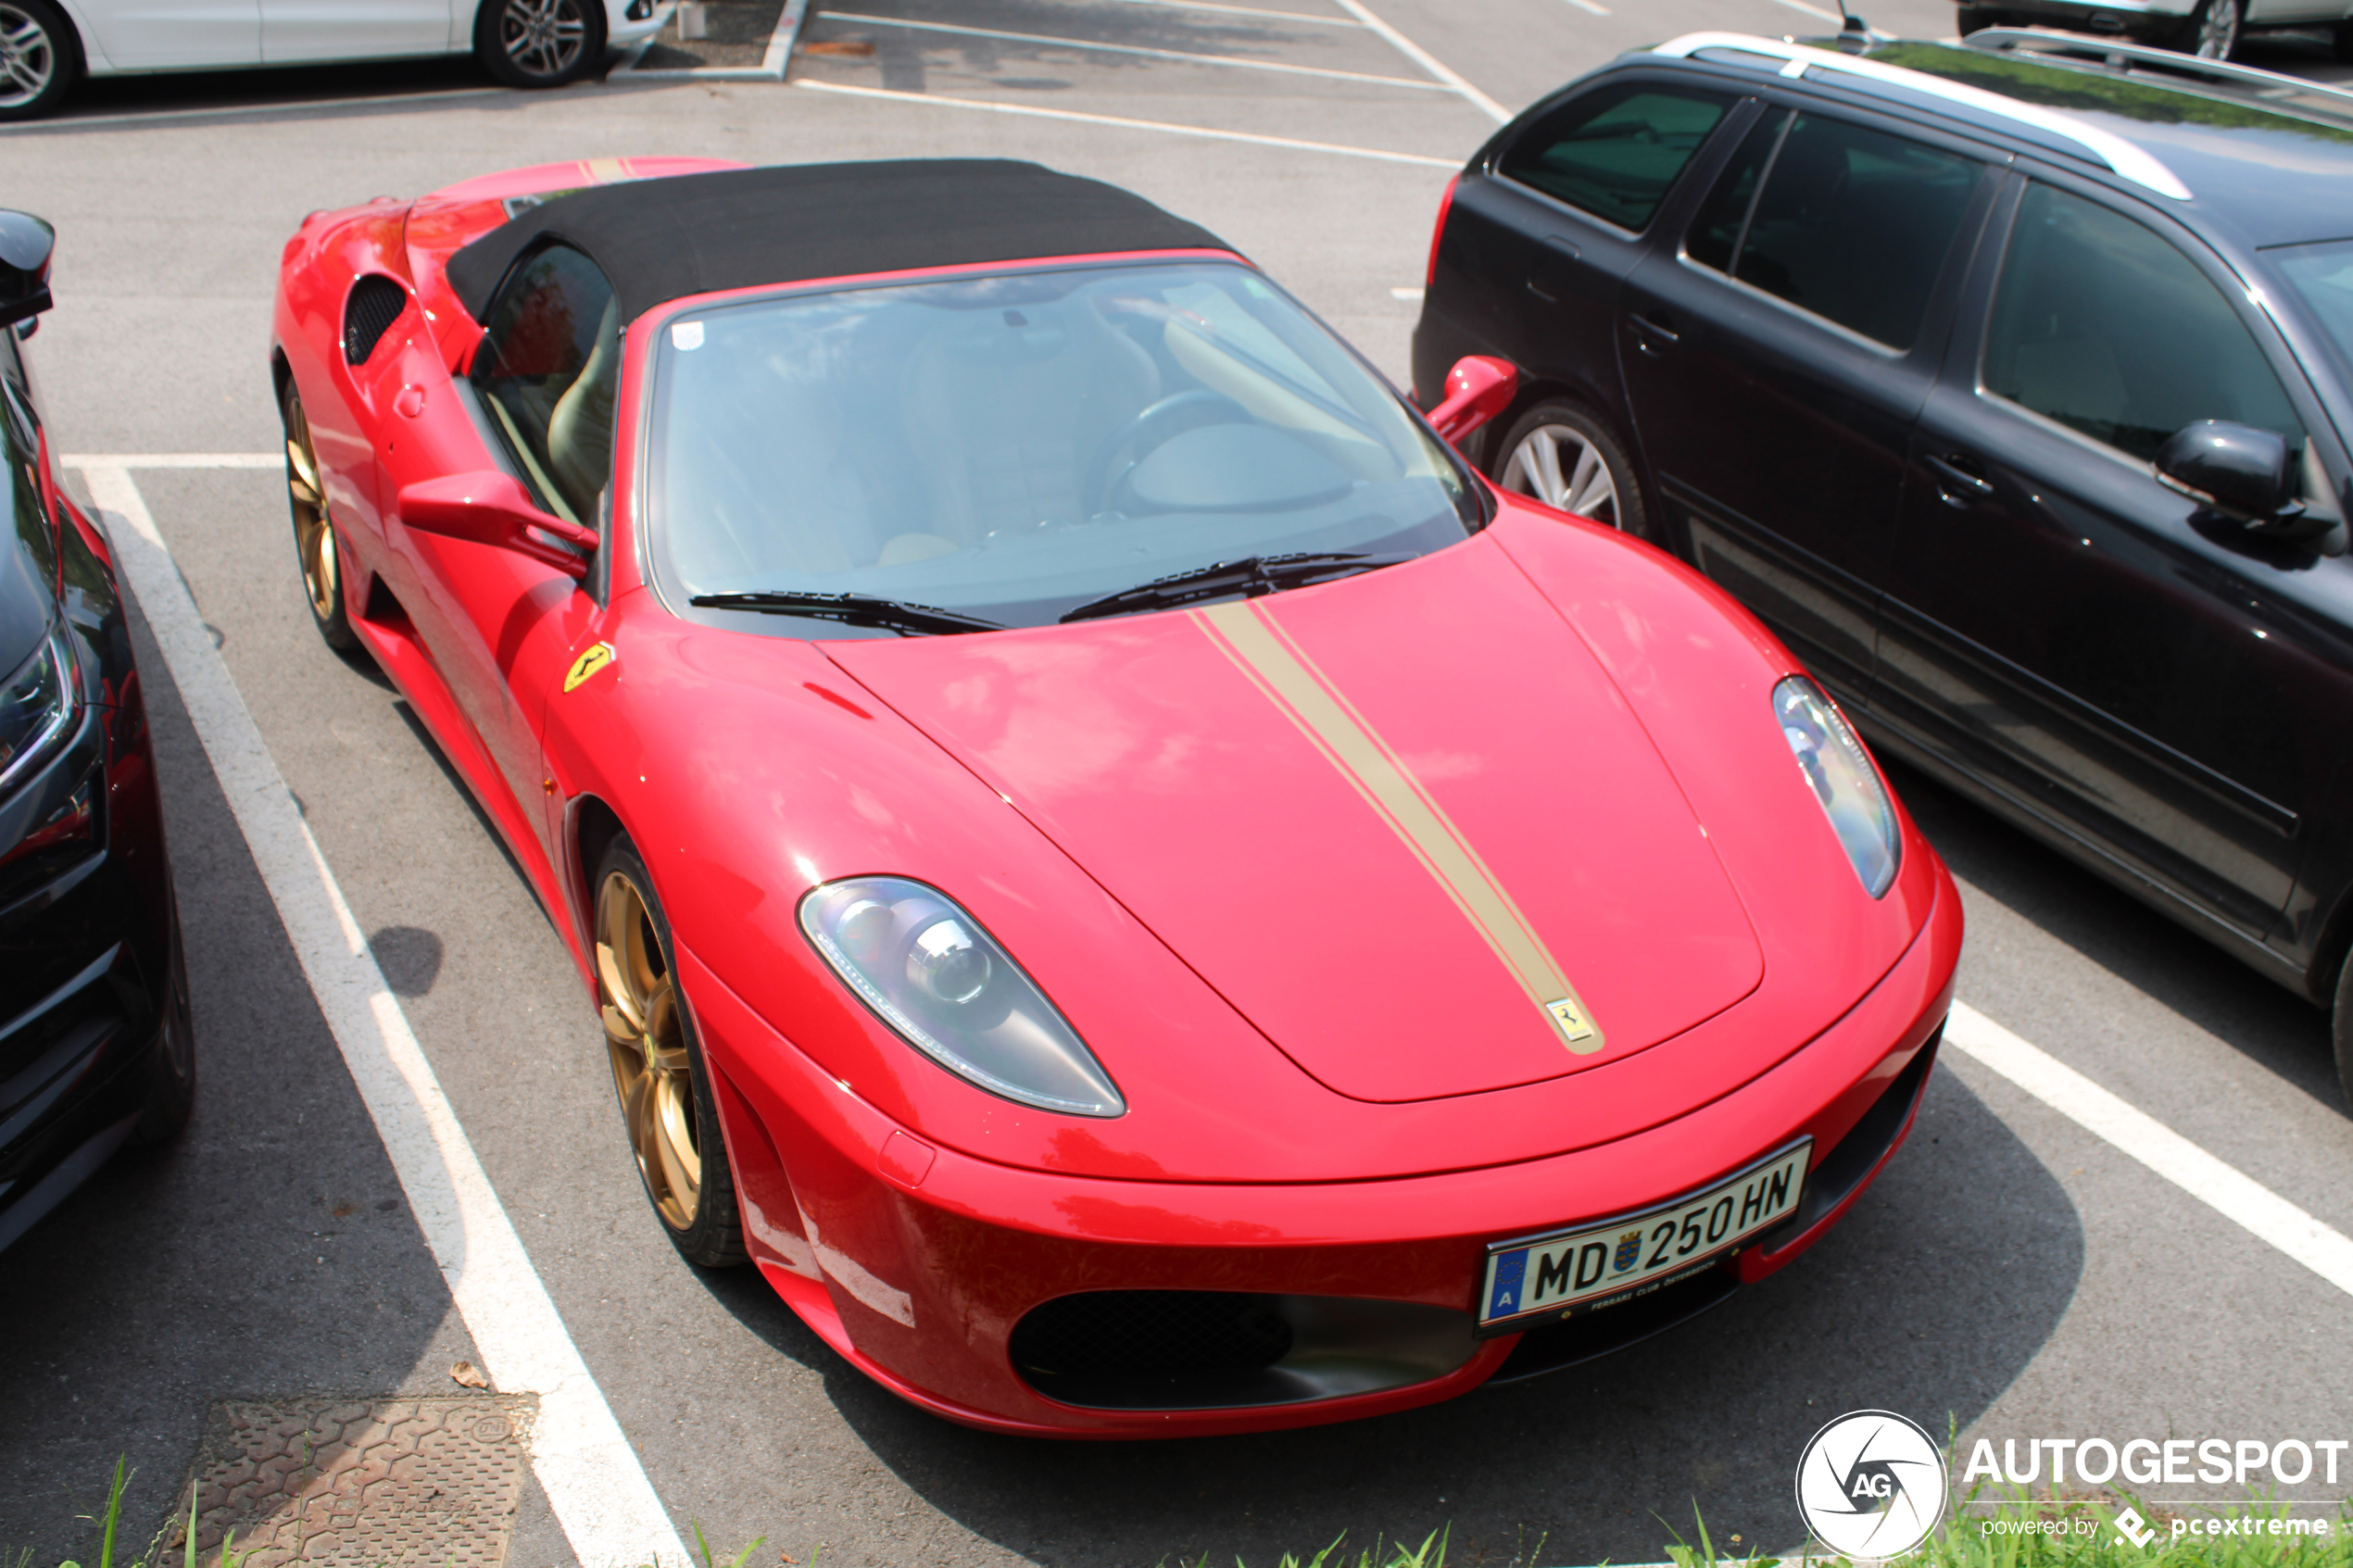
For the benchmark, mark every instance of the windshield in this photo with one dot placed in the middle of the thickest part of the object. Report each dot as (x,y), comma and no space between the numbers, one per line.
(1012,448)
(2322,276)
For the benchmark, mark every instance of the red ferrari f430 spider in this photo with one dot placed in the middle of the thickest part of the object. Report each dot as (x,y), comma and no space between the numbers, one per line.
(1133,886)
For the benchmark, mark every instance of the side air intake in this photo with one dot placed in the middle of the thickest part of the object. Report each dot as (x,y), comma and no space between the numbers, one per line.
(375,304)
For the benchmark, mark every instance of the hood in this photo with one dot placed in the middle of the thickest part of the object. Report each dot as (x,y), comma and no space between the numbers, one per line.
(1405,823)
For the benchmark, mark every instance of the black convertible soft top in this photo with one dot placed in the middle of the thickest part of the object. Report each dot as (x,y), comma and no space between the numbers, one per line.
(658,239)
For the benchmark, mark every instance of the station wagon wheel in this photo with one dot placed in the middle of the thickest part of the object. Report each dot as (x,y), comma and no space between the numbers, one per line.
(2213,29)
(1565,457)
(37,57)
(314,530)
(539,42)
(666,1102)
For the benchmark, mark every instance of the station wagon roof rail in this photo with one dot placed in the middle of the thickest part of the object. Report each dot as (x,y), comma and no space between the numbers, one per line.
(2270,86)
(2128,161)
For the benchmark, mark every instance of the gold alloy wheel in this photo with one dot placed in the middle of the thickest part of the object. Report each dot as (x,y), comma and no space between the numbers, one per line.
(646,1033)
(314,537)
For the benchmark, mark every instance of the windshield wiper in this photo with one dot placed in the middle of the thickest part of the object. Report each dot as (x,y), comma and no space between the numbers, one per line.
(1250,577)
(851,609)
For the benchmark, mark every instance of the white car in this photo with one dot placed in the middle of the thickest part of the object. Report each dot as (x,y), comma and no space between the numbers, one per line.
(44,45)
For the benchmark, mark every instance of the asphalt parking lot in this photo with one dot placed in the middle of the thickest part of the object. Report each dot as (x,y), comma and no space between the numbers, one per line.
(2013,1274)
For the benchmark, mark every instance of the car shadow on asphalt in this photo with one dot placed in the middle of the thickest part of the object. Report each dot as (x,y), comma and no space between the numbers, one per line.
(2271,1026)
(1931,1298)
(268,1252)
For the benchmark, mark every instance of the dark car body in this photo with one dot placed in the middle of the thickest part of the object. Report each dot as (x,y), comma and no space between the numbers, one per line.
(95,1045)
(1904,403)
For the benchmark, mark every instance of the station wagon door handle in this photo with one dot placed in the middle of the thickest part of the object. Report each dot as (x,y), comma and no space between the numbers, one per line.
(1546,282)
(1653,338)
(1957,485)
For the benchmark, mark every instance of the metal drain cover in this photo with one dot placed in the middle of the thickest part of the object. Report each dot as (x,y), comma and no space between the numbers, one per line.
(371,1483)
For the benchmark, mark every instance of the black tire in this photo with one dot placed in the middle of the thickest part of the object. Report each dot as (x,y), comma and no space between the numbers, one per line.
(171,1084)
(2341,1030)
(538,43)
(1976,19)
(318,550)
(668,1131)
(2213,30)
(39,55)
(1572,426)
(2343,40)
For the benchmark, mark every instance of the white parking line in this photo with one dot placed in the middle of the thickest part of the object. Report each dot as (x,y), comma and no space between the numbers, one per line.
(2229,1191)
(1049,42)
(594,1481)
(1427,61)
(1245,11)
(772,59)
(1163,126)
(303,106)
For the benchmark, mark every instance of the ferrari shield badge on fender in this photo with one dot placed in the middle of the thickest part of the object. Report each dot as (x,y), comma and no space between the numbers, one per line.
(593,659)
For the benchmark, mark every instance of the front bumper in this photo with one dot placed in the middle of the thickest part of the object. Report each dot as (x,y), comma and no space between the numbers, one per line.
(921,1265)
(622,29)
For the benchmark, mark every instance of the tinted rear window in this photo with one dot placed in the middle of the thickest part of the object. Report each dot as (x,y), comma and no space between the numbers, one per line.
(1616,152)
(1852,224)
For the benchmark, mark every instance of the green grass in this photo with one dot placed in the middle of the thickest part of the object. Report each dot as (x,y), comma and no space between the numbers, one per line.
(1972,1536)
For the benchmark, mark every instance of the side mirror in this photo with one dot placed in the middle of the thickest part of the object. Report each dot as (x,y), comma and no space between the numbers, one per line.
(27,246)
(1477,389)
(491,509)
(2236,470)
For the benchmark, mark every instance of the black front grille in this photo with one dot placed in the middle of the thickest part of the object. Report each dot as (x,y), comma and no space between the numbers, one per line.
(1149,1333)
(375,304)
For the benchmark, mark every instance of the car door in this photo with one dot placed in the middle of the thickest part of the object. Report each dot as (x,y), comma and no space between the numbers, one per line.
(1774,361)
(162,34)
(2146,673)
(1561,222)
(498,625)
(352,30)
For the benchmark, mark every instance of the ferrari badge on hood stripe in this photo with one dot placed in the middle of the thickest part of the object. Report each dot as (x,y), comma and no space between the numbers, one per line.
(592,658)
(1247,634)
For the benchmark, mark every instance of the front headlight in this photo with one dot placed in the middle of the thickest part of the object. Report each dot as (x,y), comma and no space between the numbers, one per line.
(1843,779)
(37,705)
(928,969)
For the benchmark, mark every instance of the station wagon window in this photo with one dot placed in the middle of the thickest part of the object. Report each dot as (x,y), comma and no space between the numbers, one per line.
(549,368)
(1850,224)
(2104,325)
(1615,153)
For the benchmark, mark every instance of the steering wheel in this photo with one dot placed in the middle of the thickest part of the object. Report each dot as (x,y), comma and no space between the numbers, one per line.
(1148,431)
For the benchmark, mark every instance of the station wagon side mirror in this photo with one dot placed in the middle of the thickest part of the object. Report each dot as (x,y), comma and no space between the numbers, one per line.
(491,509)
(2239,470)
(27,246)
(1477,388)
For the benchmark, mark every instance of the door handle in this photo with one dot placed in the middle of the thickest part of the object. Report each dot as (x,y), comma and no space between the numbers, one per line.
(1653,337)
(1958,483)
(1546,282)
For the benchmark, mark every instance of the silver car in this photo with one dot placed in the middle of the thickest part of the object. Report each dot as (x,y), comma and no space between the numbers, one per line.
(2208,29)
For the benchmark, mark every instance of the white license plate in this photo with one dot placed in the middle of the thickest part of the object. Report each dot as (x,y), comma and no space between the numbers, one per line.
(1536,1278)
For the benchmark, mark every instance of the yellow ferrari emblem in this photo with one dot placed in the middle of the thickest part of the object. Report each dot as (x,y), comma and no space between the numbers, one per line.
(597,656)
(1574,1025)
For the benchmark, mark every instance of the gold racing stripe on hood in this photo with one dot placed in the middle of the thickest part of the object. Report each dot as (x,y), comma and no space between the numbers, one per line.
(1247,634)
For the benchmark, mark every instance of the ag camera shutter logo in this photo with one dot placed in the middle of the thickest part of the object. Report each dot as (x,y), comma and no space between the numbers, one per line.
(1871,1484)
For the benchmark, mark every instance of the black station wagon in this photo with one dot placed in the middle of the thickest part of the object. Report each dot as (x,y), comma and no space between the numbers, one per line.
(2011,382)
